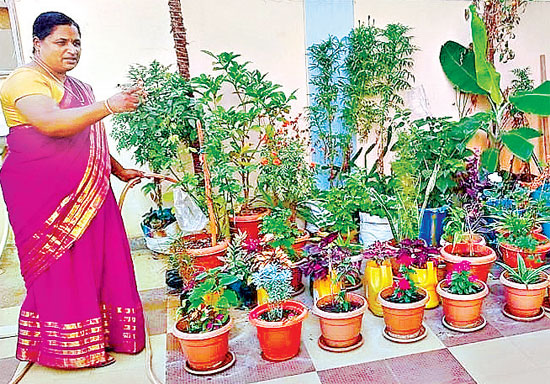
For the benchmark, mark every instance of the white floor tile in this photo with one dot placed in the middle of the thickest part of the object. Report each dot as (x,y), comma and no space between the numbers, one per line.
(306,378)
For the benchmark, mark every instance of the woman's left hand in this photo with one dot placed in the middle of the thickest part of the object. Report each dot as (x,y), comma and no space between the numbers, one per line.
(128,174)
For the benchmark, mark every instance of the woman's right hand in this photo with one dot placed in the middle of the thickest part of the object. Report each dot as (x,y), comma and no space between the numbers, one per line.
(126,101)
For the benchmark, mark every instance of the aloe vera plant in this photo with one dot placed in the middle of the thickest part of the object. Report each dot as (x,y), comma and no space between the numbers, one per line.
(522,274)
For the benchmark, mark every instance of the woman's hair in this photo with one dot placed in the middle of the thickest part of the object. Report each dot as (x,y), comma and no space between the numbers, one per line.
(47,21)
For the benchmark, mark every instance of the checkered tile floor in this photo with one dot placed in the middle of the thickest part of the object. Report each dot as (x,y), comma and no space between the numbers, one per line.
(503,352)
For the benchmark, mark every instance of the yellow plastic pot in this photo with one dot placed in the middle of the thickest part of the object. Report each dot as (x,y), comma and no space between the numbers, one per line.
(427,278)
(261,296)
(376,278)
(321,287)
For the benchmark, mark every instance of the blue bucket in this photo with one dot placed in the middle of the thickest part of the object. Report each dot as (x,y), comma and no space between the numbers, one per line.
(431,227)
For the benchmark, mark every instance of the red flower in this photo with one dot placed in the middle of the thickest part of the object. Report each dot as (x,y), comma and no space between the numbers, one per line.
(312,165)
(403,284)
(449,278)
(277,161)
(286,123)
(264,161)
(405,259)
(462,266)
(274,154)
(472,278)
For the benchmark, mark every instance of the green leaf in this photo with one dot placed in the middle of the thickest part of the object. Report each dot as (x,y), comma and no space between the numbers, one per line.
(536,101)
(226,280)
(489,159)
(520,147)
(487,76)
(527,133)
(458,63)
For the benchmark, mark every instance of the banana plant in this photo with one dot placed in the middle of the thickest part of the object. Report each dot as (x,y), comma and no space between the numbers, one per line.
(470,72)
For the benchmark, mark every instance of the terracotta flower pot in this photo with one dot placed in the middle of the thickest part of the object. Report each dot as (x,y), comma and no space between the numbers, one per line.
(249,224)
(297,274)
(427,278)
(279,340)
(341,330)
(481,258)
(533,259)
(403,320)
(521,300)
(376,278)
(207,350)
(462,311)
(300,243)
(472,238)
(207,257)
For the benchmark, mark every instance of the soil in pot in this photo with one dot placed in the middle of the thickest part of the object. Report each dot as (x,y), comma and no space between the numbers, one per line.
(533,258)
(199,246)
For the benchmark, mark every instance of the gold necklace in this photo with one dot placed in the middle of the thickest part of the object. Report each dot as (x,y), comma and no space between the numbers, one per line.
(43,65)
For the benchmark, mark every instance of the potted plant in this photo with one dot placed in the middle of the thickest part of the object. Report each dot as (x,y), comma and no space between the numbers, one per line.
(252,107)
(462,297)
(422,260)
(325,261)
(480,257)
(340,317)
(461,225)
(281,232)
(204,323)
(378,273)
(524,290)
(403,306)
(516,237)
(278,322)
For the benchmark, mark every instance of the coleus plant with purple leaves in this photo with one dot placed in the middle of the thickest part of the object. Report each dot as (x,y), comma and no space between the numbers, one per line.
(415,253)
(320,256)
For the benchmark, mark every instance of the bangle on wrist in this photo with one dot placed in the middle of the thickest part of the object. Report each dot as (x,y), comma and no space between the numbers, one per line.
(106,103)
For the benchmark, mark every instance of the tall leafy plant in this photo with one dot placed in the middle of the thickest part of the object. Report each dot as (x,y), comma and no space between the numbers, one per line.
(239,106)
(470,71)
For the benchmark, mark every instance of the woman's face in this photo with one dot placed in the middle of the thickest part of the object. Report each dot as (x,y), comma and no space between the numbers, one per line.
(60,50)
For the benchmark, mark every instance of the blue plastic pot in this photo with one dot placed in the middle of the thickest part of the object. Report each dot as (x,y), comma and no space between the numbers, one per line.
(543,193)
(431,227)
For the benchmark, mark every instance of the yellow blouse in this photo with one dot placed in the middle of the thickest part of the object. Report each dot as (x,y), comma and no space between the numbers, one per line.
(23,82)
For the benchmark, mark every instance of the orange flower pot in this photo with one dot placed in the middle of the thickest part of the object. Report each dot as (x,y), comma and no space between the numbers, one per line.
(480,257)
(533,259)
(207,257)
(341,330)
(300,243)
(462,311)
(279,340)
(521,300)
(249,224)
(403,320)
(470,238)
(207,350)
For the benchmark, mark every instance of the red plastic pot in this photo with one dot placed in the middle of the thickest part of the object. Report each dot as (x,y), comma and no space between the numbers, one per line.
(279,340)
(480,257)
(341,330)
(204,351)
(249,224)
(300,243)
(533,259)
(207,257)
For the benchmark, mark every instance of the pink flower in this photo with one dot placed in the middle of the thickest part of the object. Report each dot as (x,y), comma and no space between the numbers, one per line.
(405,260)
(449,278)
(403,284)
(462,266)
(472,278)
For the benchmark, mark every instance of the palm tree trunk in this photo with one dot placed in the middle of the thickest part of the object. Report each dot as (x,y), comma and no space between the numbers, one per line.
(182,58)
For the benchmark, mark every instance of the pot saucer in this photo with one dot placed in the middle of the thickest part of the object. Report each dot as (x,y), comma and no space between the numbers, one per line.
(299,290)
(326,347)
(226,364)
(480,324)
(538,316)
(406,339)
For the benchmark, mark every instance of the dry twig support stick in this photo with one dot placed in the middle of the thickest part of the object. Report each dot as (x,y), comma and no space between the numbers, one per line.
(543,121)
(207,186)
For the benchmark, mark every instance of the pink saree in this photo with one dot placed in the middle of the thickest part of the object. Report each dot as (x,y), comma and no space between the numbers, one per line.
(75,258)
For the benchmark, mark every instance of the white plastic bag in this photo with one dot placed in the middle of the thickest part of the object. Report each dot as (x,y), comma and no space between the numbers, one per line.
(188,214)
(373,228)
(160,241)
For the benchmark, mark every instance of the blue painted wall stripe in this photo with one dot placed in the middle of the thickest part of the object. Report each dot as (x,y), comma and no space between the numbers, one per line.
(324,18)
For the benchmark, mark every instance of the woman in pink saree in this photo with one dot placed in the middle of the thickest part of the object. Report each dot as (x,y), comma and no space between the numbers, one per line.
(82,298)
